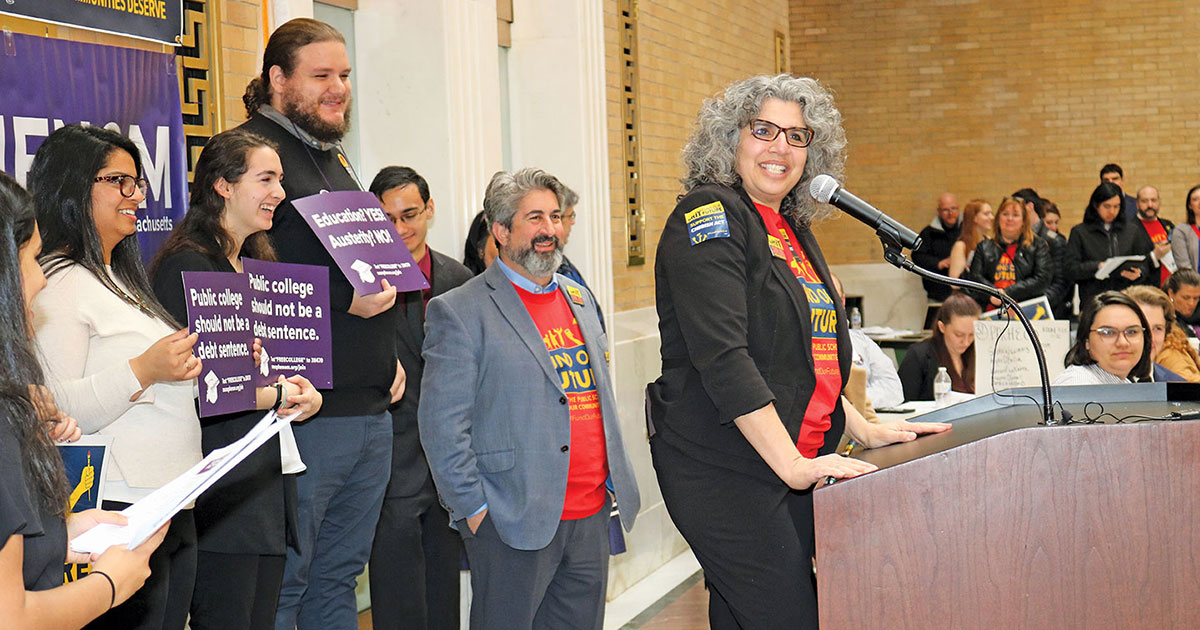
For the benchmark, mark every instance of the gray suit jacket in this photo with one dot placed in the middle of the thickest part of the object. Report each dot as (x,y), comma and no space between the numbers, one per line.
(1184,246)
(494,418)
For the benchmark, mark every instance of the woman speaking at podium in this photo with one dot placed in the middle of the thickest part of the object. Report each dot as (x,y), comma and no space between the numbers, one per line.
(748,410)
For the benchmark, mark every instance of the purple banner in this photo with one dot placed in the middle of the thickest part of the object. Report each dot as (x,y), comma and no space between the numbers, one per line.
(218,308)
(46,83)
(362,241)
(290,307)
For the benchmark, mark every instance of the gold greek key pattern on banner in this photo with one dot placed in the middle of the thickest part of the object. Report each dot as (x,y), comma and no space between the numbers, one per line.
(635,217)
(198,59)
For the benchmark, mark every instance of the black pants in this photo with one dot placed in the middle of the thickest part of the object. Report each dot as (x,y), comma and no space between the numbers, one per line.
(163,601)
(753,538)
(236,591)
(415,563)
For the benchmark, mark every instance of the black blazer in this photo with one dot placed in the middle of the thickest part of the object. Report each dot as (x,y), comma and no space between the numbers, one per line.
(251,510)
(1090,244)
(736,335)
(410,471)
(1033,266)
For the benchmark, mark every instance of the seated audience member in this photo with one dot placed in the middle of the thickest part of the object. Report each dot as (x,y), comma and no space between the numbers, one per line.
(936,240)
(1174,359)
(1061,291)
(1183,289)
(33,485)
(1110,345)
(952,346)
(480,249)
(1013,260)
(883,387)
(1106,232)
(978,223)
(243,522)
(1185,239)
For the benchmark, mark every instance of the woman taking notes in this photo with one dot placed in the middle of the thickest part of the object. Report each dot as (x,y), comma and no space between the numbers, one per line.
(114,358)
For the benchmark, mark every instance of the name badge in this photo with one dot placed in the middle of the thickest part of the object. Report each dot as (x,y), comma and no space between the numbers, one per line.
(776,247)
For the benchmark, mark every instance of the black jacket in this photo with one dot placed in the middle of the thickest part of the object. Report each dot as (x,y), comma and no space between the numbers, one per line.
(736,335)
(364,351)
(1090,244)
(936,243)
(1033,265)
(1062,284)
(410,471)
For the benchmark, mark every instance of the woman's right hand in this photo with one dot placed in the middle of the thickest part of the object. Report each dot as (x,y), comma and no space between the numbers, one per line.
(807,472)
(169,359)
(128,568)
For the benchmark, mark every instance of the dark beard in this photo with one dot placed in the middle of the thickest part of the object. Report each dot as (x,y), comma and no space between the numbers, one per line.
(537,263)
(313,124)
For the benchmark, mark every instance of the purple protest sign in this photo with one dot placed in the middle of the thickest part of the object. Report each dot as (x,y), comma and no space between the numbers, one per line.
(362,241)
(218,309)
(290,307)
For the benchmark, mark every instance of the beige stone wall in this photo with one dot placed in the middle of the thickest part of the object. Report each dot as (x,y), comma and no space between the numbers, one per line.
(242,41)
(686,55)
(984,98)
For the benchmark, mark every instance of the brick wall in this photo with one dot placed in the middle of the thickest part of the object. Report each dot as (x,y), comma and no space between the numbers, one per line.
(984,98)
(687,53)
(241,54)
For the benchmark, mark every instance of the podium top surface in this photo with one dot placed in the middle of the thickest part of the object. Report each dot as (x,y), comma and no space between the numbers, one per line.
(1021,408)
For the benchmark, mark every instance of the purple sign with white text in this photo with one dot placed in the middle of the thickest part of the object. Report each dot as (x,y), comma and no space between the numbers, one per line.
(362,241)
(290,307)
(218,309)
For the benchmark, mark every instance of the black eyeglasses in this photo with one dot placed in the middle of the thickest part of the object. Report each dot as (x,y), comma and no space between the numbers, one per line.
(767,131)
(128,183)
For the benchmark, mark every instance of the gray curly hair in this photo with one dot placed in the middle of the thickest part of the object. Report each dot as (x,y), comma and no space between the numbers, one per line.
(710,153)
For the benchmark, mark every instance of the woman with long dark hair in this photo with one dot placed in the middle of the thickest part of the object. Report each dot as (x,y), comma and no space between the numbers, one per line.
(1185,238)
(243,520)
(1111,345)
(1106,233)
(114,358)
(33,488)
(952,346)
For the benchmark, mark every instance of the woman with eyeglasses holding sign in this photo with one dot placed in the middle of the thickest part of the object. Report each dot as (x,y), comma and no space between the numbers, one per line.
(242,522)
(114,358)
(34,531)
(749,409)
(1111,345)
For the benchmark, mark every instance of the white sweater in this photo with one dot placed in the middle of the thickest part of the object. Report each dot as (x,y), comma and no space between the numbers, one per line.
(86,336)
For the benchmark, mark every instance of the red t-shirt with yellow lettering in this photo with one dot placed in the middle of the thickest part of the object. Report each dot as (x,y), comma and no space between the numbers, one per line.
(588,468)
(1158,236)
(827,393)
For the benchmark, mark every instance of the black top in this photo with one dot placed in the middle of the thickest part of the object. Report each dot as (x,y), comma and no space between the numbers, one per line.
(918,369)
(364,350)
(1090,244)
(45,534)
(936,243)
(736,335)
(251,510)
(410,470)
(1032,265)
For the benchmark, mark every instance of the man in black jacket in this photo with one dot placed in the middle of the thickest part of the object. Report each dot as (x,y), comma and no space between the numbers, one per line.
(1113,174)
(936,241)
(301,102)
(416,557)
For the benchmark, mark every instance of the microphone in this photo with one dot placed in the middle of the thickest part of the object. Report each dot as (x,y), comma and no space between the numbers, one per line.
(826,189)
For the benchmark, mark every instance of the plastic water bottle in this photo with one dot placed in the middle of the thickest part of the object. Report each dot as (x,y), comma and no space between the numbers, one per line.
(941,387)
(855,318)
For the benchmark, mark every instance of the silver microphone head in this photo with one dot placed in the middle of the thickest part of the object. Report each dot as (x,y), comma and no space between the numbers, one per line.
(822,188)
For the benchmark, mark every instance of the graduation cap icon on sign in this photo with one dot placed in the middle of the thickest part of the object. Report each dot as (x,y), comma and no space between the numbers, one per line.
(363,269)
(212,380)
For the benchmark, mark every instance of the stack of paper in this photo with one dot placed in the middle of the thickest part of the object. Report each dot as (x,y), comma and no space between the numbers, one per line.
(149,514)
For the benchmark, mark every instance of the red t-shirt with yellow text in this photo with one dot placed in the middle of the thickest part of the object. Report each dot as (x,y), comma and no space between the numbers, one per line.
(588,468)
(827,393)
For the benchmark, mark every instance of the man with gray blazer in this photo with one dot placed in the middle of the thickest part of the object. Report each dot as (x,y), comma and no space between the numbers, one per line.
(519,423)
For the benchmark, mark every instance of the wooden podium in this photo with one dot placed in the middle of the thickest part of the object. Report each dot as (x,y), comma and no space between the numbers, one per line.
(1001,523)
